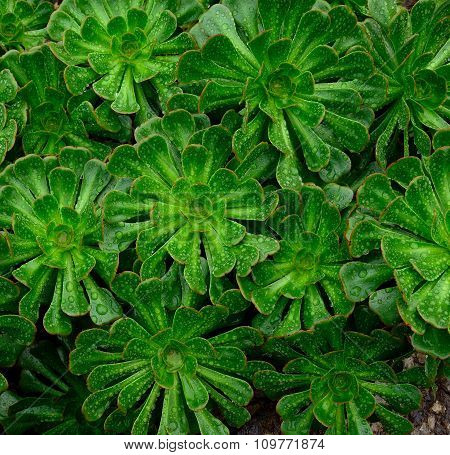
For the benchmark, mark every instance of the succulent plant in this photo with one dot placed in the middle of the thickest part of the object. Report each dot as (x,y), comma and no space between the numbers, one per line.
(407,216)
(194,200)
(125,50)
(271,57)
(300,285)
(12,112)
(165,369)
(410,50)
(340,379)
(123,227)
(16,332)
(23,23)
(358,5)
(192,190)
(49,399)
(188,11)
(50,210)
(55,118)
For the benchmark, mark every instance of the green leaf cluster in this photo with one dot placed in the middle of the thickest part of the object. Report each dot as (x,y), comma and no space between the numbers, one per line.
(201,198)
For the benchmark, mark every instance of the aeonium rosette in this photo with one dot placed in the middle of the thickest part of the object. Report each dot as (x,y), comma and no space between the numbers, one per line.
(161,372)
(405,213)
(341,380)
(197,205)
(49,208)
(127,52)
(276,60)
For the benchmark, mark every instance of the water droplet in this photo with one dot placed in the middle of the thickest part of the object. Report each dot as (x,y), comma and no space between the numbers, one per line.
(356,291)
(362,273)
(172,426)
(101,309)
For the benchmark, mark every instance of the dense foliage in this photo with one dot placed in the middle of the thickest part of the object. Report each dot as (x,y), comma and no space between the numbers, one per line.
(203,200)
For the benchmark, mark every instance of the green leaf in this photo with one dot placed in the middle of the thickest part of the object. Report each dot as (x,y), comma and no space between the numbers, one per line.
(433,341)
(73,301)
(63,186)
(3,383)
(403,398)
(79,78)
(209,424)
(384,304)
(55,321)
(356,424)
(140,425)
(236,389)
(9,292)
(16,333)
(361,279)
(235,415)
(393,423)
(125,102)
(194,392)
(8,86)
(149,304)
(103,307)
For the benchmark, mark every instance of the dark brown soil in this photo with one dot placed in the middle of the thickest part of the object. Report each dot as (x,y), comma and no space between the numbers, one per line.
(265,419)
(409,3)
(434,416)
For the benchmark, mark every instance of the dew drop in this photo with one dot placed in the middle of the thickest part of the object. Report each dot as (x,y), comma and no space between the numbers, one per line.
(362,273)
(172,426)
(356,291)
(101,309)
